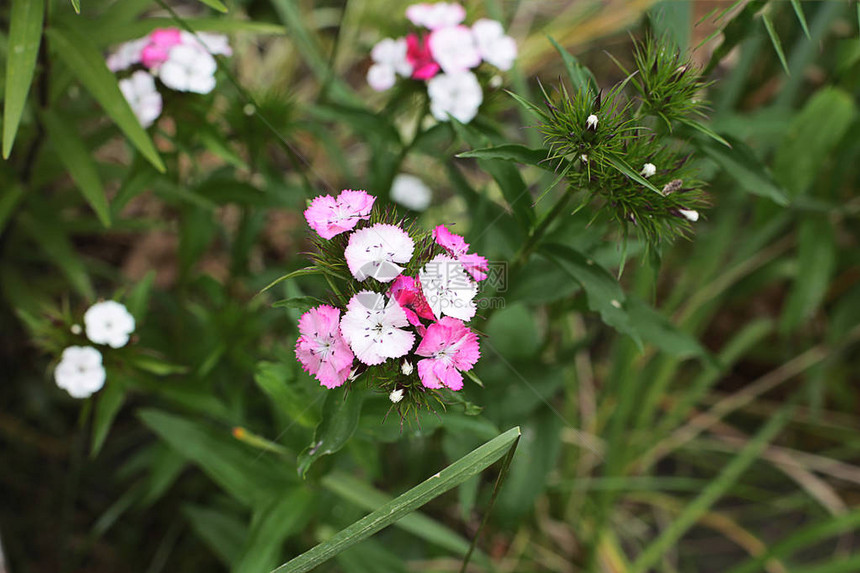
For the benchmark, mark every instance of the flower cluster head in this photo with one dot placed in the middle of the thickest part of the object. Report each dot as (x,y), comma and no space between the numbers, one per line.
(180,60)
(80,371)
(444,53)
(400,303)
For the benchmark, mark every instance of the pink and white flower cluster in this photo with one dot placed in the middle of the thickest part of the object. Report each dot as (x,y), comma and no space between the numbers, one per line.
(443,52)
(412,294)
(178,59)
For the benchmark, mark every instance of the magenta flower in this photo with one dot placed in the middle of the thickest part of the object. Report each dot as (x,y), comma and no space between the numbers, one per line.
(450,348)
(457,247)
(407,292)
(330,217)
(321,349)
(157,50)
(419,57)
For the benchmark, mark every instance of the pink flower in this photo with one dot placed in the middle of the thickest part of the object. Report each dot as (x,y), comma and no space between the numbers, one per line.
(450,348)
(330,217)
(407,292)
(419,57)
(157,50)
(457,247)
(454,49)
(321,349)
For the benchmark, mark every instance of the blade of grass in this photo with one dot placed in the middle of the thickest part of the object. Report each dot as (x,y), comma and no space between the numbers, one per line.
(798,9)
(25,36)
(699,506)
(215,4)
(774,39)
(469,465)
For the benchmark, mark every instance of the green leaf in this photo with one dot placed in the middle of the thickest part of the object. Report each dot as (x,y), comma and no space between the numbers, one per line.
(155,365)
(76,4)
(774,39)
(274,522)
(513,332)
(216,4)
(299,273)
(47,232)
(704,129)
(798,9)
(278,382)
(671,20)
(138,28)
(10,195)
(741,163)
(622,166)
(449,478)
(137,301)
(223,533)
(659,331)
(340,417)
(108,403)
(77,158)
(366,497)
(243,473)
(301,303)
(580,76)
(816,263)
(25,36)
(712,492)
(512,152)
(87,63)
(811,138)
(603,291)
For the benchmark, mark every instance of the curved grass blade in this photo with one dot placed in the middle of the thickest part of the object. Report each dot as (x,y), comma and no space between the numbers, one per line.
(215,4)
(469,465)
(299,273)
(774,39)
(25,36)
(86,62)
(76,4)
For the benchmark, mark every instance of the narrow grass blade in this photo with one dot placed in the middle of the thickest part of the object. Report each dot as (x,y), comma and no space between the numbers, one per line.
(215,4)
(299,273)
(469,465)
(76,4)
(798,9)
(25,36)
(78,161)
(699,506)
(774,39)
(87,63)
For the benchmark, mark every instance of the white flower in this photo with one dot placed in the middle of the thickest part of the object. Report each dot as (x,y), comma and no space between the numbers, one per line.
(392,53)
(591,122)
(457,94)
(411,192)
(80,371)
(689,214)
(381,77)
(396,395)
(188,69)
(494,46)
(145,101)
(648,170)
(76,329)
(215,44)
(454,49)
(406,368)
(126,55)
(447,288)
(438,15)
(373,252)
(371,327)
(109,323)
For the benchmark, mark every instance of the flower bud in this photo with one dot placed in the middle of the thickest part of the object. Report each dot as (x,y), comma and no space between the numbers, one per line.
(591,122)
(648,170)
(406,368)
(396,396)
(689,214)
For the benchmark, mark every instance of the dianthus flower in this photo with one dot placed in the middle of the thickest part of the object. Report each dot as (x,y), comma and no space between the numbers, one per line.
(447,288)
(450,348)
(80,371)
(321,349)
(373,327)
(330,217)
(374,252)
(109,322)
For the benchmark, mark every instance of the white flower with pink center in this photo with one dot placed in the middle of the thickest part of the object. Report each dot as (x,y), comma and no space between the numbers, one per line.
(447,288)
(459,95)
(450,348)
(454,49)
(331,216)
(80,371)
(496,48)
(376,251)
(438,15)
(321,349)
(144,100)
(372,325)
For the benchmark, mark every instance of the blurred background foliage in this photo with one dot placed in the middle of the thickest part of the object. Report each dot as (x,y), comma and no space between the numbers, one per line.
(717,431)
